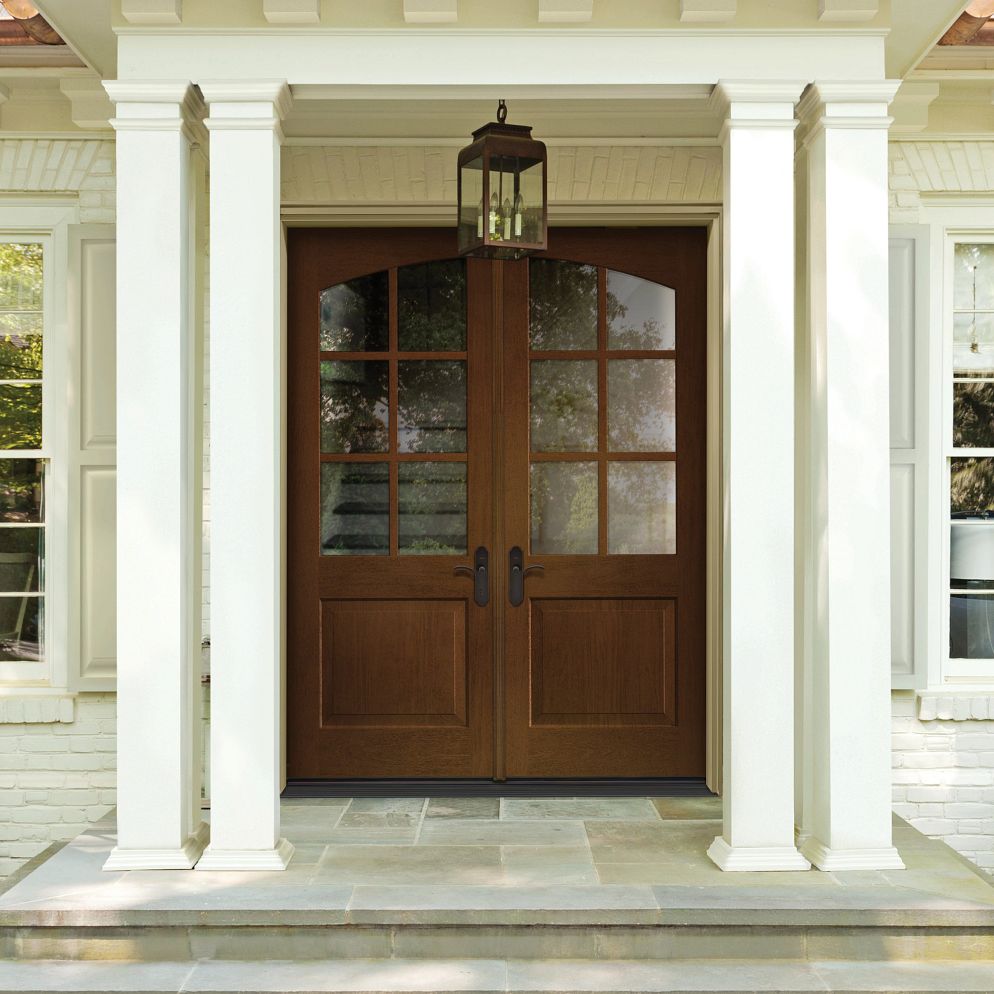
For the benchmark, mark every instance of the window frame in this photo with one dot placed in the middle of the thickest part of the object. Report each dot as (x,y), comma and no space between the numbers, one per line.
(46,221)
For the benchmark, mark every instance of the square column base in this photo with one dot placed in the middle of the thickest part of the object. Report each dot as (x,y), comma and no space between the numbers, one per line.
(247,859)
(756,858)
(825,858)
(184,858)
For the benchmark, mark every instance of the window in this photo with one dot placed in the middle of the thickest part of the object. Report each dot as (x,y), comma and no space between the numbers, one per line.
(969,443)
(22,456)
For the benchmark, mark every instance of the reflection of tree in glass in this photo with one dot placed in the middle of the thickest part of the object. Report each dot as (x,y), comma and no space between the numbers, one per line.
(628,336)
(564,406)
(969,257)
(20,355)
(354,315)
(432,508)
(21,301)
(641,507)
(971,485)
(20,490)
(432,406)
(973,415)
(354,406)
(431,304)
(564,508)
(562,305)
(641,405)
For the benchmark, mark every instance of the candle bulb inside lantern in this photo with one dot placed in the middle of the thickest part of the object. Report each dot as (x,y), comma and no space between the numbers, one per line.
(519,209)
(479,220)
(507,219)
(494,203)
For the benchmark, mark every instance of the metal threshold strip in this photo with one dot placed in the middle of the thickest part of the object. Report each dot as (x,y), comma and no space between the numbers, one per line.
(601,787)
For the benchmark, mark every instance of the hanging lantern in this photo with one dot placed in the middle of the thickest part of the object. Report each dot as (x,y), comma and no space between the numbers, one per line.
(503,207)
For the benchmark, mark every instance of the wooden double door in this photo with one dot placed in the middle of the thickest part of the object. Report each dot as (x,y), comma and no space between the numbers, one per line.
(496,506)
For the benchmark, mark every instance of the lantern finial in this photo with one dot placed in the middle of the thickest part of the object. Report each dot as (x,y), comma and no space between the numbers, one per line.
(501,112)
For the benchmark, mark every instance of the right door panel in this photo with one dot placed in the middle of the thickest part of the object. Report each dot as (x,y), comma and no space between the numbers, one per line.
(605,418)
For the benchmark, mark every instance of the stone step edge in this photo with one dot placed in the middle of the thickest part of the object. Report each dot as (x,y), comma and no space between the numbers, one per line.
(496,977)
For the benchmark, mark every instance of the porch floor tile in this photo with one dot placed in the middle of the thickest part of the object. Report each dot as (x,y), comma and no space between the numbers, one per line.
(510,861)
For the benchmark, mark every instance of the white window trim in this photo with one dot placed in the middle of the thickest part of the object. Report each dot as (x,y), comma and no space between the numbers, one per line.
(47,220)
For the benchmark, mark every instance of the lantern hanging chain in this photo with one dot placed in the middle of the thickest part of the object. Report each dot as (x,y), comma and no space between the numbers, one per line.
(501,112)
(974,342)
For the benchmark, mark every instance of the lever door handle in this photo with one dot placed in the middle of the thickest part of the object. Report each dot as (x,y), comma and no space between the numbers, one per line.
(480,572)
(517,573)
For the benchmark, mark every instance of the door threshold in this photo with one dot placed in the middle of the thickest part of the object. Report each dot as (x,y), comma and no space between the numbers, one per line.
(597,787)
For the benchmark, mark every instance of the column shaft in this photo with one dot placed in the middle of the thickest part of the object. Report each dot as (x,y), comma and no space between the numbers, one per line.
(848,796)
(758,412)
(159,404)
(247,478)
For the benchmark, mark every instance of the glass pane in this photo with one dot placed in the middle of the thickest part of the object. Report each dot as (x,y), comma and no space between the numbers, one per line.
(971,626)
(471,204)
(973,415)
(564,406)
(564,507)
(431,305)
(354,408)
(21,271)
(22,553)
(973,345)
(355,509)
(973,262)
(22,490)
(640,314)
(641,498)
(20,416)
(20,357)
(22,630)
(354,315)
(431,513)
(562,305)
(971,486)
(641,407)
(432,406)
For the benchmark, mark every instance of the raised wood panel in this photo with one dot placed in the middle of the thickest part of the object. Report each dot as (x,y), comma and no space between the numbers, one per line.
(902,560)
(98,571)
(393,662)
(603,661)
(902,343)
(98,345)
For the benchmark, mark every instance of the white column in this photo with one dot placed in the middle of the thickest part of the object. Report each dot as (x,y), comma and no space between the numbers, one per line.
(247,479)
(847,819)
(158,481)
(758,428)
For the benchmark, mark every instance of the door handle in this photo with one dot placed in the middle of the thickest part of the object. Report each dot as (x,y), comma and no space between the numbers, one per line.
(480,572)
(517,574)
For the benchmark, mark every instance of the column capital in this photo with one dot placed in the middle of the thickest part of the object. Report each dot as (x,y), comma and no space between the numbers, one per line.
(755,103)
(846,104)
(156,105)
(247,104)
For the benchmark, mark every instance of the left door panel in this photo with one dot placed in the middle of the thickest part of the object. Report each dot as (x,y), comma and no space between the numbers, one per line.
(389,472)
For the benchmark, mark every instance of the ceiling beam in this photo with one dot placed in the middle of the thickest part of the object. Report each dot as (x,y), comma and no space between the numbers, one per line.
(292,11)
(565,11)
(707,10)
(430,11)
(91,107)
(847,10)
(152,11)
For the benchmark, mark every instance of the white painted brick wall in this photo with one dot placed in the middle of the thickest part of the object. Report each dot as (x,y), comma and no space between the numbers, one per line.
(944,772)
(55,777)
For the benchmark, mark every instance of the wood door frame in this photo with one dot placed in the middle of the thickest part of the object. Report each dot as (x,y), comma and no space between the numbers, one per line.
(608,215)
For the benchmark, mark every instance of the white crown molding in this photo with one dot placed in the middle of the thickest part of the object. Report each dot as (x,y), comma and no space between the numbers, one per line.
(565,11)
(292,11)
(848,10)
(709,11)
(431,11)
(152,12)
(91,105)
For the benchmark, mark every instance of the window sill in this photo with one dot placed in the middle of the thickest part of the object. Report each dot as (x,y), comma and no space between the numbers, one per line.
(955,705)
(37,709)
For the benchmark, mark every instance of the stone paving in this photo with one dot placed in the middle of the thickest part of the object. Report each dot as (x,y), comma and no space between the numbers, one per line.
(503,860)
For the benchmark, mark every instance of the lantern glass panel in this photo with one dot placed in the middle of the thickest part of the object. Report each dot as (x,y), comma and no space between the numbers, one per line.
(471,216)
(514,213)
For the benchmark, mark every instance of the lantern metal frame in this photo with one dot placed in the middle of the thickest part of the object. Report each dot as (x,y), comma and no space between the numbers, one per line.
(498,140)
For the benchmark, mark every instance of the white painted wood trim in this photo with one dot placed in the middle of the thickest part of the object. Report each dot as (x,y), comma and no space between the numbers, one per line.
(764,858)
(255,860)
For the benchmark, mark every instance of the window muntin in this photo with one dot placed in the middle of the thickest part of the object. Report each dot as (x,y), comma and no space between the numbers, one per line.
(22,462)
